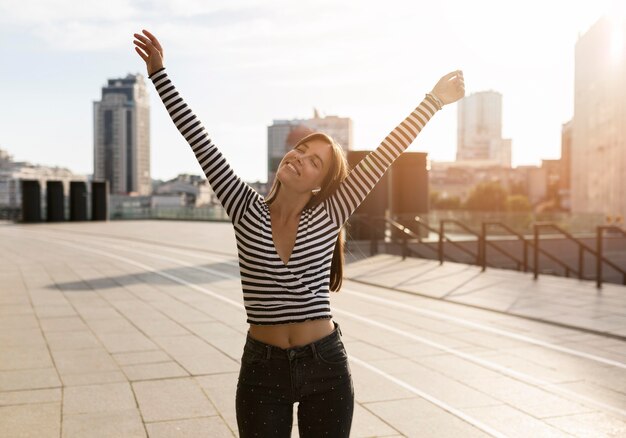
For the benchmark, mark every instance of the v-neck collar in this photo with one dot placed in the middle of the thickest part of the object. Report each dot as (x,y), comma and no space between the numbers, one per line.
(295,242)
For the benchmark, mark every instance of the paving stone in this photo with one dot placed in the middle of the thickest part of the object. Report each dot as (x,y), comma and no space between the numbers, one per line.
(31,420)
(74,340)
(141,357)
(125,424)
(109,397)
(83,361)
(591,424)
(416,417)
(29,379)
(171,399)
(514,423)
(113,325)
(30,396)
(195,355)
(221,390)
(118,342)
(93,378)
(23,358)
(63,324)
(153,371)
(208,427)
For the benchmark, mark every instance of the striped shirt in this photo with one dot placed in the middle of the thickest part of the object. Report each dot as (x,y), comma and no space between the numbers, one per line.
(275,292)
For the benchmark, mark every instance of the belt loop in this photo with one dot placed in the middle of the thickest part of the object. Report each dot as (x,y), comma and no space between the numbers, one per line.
(314,350)
(269,352)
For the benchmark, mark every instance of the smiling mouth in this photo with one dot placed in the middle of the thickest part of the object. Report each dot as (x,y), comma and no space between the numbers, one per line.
(293,168)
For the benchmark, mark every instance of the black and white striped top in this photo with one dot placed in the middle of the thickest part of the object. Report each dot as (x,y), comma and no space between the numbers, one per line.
(275,292)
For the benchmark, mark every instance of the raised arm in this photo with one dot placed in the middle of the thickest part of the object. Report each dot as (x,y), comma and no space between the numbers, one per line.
(366,174)
(234,194)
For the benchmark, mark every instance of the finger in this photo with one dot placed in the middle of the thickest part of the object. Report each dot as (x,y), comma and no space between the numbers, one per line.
(142,45)
(145,40)
(451,75)
(154,40)
(144,57)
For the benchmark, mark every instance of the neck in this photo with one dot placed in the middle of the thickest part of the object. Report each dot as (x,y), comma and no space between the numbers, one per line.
(288,204)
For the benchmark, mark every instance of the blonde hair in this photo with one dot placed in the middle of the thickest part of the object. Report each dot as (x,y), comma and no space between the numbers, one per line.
(338,171)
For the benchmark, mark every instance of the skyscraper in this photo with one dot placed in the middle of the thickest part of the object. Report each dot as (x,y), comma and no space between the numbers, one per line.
(284,134)
(598,149)
(479,135)
(122,136)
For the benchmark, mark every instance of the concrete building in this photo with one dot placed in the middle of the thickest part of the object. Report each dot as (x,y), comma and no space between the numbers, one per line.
(565,180)
(598,178)
(282,135)
(122,136)
(12,172)
(194,190)
(479,132)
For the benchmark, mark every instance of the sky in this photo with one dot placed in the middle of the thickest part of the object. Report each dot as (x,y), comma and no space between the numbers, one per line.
(243,63)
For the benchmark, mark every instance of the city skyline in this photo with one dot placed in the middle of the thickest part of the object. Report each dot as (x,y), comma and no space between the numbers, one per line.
(275,60)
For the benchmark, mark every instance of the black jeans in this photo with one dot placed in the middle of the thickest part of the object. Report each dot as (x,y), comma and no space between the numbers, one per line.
(272,379)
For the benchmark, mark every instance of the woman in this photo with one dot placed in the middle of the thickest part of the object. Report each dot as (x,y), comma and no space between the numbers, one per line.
(291,256)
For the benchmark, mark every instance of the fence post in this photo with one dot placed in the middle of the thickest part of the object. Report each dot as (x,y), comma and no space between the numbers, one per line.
(404,248)
(599,233)
(483,247)
(441,242)
(536,253)
(581,262)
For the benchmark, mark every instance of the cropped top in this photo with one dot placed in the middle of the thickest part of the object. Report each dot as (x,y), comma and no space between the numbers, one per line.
(275,292)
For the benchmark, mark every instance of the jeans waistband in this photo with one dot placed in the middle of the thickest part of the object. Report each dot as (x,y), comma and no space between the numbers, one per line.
(269,350)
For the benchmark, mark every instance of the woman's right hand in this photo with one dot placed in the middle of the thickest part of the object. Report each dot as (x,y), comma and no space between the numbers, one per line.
(150,51)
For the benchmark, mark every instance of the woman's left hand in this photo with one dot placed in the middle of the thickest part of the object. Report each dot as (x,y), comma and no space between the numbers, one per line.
(450,87)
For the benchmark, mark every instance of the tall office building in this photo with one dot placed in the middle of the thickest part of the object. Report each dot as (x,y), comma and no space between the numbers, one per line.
(598,149)
(122,136)
(282,135)
(479,135)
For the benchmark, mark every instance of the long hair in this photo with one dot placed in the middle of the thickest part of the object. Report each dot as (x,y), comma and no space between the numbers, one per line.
(338,171)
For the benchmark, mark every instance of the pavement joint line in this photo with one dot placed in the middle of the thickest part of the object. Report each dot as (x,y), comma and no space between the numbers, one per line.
(541,384)
(441,404)
(367,283)
(502,312)
(437,315)
(483,327)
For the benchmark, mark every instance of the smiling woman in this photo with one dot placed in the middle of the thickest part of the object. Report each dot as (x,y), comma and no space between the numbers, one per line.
(290,252)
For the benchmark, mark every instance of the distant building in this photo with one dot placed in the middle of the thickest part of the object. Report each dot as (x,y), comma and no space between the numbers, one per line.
(190,190)
(122,136)
(458,179)
(282,135)
(479,131)
(565,180)
(598,148)
(11,172)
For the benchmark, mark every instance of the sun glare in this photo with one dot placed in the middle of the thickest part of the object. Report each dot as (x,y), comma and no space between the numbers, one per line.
(617,15)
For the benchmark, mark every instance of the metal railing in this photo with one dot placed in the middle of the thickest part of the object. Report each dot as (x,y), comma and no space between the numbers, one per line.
(442,237)
(485,242)
(374,224)
(600,258)
(582,247)
(411,233)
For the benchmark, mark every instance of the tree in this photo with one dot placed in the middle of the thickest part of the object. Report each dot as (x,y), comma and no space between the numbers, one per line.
(518,203)
(447,203)
(487,196)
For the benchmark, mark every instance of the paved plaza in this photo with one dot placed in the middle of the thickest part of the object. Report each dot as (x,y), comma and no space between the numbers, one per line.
(136,329)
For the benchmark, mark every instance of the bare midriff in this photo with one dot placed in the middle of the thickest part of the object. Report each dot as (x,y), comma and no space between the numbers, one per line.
(294,334)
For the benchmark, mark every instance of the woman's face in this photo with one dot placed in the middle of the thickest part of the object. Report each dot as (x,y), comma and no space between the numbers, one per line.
(304,167)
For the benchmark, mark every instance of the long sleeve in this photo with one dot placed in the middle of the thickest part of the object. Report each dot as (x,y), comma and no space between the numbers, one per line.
(364,176)
(234,194)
